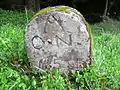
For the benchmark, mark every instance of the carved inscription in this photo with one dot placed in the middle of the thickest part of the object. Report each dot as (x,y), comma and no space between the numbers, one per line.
(58,40)
(37,42)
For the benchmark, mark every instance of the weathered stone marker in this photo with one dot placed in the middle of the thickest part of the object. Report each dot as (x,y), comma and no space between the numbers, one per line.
(58,37)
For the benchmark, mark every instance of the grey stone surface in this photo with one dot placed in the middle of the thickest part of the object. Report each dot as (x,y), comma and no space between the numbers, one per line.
(57,39)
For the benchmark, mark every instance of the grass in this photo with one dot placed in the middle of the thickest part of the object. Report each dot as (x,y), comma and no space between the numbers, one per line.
(15,73)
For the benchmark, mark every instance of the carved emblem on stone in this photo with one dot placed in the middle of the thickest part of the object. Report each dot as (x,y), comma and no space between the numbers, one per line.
(58,39)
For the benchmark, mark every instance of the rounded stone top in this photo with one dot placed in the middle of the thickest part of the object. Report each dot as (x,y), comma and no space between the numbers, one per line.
(58,37)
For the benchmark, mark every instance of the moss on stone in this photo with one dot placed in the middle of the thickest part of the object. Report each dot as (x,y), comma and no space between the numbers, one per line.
(52,9)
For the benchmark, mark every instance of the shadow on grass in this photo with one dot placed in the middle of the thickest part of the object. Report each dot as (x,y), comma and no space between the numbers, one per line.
(111,27)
